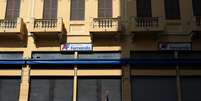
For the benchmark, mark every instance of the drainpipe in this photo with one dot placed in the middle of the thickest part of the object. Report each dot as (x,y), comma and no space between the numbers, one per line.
(179,97)
(126,82)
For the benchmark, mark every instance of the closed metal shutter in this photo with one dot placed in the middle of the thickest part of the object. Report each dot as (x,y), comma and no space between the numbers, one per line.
(9,88)
(154,89)
(98,89)
(191,88)
(51,89)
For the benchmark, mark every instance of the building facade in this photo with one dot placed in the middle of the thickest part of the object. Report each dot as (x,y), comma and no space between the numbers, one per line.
(100,50)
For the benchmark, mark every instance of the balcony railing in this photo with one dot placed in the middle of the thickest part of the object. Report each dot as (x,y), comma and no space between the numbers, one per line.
(197,23)
(8,23)
(47,25)
(147,24)
(11,25)
(198,20)
(105,25)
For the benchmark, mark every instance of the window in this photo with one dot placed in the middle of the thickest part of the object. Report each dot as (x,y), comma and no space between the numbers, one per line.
(196,7)
(152,54)
(144,8)
(172,9)
(104,8)
(101,55)
(50,9)
(52,55)
(12,9)
(98,89)
(77,10)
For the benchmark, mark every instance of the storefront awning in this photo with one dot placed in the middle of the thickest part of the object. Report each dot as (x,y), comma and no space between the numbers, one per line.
(12,62)
(74,62)
(142,62)
(165,62)
(120,61)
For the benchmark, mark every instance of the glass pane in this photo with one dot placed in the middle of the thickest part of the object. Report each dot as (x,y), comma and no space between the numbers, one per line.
(8,56)
(153,55)
(77,10)
(104,8)
(50,9)
(172,9)
(52,56)
(144,8)
(190,54)
(100,56)
(12,9)
(196,7)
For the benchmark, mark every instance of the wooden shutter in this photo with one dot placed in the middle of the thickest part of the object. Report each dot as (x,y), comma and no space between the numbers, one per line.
(77,10)
(144,8)
(197,7)
(50,9)
(12,9)
(172,9)
(105,8)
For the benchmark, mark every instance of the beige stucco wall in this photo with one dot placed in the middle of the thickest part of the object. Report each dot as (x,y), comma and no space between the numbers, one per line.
(79,31)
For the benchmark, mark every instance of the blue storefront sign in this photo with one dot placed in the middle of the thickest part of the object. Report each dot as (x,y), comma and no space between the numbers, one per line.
(76,47)
(175,46)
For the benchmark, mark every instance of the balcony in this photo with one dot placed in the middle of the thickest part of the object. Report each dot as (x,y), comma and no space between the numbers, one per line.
(12,27)
(47,25)
(105,25)
(147,24)
(196,23)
